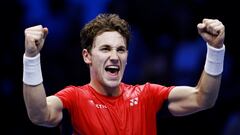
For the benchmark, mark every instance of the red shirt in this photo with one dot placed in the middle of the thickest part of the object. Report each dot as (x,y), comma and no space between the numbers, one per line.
(133,112)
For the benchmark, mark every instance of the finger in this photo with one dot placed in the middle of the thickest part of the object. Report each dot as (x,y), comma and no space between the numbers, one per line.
(45,32)
(219,29)
(40,32)
(210,26)
(35,33)
(34,28)
(214,27)
(33,38)
(201,26)
(30,38)
(207,21)
(36,37)
(212,31)
(30,42)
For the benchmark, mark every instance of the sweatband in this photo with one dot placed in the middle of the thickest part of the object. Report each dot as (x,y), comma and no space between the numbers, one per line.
(214,60)
(32,73)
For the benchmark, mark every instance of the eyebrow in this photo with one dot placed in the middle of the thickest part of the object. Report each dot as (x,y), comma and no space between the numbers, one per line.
(107,45)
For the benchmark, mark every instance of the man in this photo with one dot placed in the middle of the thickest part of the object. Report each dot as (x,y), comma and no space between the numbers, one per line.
(106,105)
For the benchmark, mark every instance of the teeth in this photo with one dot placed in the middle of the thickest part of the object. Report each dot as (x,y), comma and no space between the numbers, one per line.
(113,67)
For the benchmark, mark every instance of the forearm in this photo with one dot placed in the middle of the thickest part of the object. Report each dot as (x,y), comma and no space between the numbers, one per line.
(33,89)
(210,81)
(208,88)
(35,101)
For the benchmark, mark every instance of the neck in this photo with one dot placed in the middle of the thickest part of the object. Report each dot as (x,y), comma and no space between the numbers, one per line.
(104,90)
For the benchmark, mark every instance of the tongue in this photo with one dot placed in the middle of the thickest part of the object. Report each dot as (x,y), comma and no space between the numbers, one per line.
(112,71)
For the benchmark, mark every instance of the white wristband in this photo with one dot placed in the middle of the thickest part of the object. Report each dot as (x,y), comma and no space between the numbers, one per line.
(214,60)
(32,73)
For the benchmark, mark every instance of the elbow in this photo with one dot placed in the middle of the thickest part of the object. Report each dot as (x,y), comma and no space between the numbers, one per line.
(207,105)
(206,100)
(37,120)
(40,121)
(45,121)
(210,105)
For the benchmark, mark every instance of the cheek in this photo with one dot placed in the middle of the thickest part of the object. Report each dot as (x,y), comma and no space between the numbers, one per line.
(124,59)
(98,61)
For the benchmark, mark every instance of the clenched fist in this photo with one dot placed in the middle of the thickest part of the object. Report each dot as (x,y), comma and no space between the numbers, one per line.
(212,31)
(34,39)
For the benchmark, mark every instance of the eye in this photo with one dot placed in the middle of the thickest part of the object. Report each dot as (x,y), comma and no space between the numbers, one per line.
(121,50)
(105,49)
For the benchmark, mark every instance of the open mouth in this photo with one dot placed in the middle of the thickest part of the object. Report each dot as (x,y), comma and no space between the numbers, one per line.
(112,69)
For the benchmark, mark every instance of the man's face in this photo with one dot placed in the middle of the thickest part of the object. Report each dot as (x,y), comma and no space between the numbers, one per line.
(108,59)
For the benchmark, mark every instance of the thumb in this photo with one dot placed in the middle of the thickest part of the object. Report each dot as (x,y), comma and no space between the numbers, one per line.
(45,32)
(201,29)
(201,26)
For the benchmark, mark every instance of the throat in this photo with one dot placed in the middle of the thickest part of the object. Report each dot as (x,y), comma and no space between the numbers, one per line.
(104,90)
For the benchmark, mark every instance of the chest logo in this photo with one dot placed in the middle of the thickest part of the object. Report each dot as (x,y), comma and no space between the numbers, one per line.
(99,106)
(134,101)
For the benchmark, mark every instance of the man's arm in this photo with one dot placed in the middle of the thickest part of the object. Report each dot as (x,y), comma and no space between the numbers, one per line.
(184,100)
(42,110)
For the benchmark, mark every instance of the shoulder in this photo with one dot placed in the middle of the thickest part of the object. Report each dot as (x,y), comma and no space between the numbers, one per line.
(148,88)
(146,85)
(130,87)
(72,90)
(136,88)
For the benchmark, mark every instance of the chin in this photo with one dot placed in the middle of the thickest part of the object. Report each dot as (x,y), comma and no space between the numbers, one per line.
(112,83)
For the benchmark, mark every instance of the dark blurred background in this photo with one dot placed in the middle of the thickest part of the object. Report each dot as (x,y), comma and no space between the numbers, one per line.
(165,49)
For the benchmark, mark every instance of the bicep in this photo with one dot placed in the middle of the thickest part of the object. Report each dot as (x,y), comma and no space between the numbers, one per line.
(183,100)
(55,107)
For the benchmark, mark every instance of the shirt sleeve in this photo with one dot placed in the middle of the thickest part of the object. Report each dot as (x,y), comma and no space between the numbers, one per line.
(157,94)
(66,95)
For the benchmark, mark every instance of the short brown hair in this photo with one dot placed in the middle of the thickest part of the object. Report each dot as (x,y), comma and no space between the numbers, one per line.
(103,23)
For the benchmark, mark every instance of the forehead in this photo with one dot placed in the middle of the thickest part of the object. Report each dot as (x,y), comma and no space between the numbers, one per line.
(112,38)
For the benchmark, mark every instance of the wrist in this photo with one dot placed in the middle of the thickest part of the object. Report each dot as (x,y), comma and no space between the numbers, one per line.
(32,74)
(214,60)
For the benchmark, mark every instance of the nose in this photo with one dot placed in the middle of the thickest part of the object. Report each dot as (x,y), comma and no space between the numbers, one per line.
(114,56)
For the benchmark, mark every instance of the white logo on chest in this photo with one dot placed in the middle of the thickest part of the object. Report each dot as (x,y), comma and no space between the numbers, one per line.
(99,106)
(134,101)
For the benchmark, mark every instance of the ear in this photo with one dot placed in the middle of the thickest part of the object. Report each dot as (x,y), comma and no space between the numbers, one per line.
(86,56)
